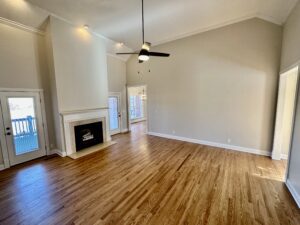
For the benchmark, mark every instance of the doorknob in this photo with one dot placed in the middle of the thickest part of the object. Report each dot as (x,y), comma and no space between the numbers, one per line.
(7,128)
(8,133)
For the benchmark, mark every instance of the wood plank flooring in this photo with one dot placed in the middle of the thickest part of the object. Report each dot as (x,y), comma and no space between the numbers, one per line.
(148,180)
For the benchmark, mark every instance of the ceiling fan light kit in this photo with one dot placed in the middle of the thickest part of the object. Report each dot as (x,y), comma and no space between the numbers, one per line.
(144,54)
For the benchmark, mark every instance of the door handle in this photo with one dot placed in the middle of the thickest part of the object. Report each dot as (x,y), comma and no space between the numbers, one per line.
(8,133)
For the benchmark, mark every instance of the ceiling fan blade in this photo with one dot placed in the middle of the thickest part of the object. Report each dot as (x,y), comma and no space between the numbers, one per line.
(159,54)
(127,53)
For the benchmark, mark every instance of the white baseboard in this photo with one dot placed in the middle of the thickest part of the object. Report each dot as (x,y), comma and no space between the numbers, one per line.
(279,156)
(58,152)
(284,156)
(293,192)
(275,155)
(213,144)
(2,167)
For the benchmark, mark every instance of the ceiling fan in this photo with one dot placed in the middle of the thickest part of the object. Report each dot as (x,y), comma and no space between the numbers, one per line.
(144,53)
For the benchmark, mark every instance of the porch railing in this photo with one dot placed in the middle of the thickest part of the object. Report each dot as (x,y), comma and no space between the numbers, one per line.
(24,126)
(25,134)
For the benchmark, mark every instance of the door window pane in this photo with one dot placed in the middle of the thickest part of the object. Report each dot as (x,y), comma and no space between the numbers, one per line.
(24,128)
(113,113)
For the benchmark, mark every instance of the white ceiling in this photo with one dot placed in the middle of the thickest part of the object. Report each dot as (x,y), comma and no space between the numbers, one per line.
(166,20)
(120,20)
(22,14)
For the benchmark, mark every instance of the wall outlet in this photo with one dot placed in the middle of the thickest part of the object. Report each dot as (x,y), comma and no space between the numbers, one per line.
(173,132)
(228,140)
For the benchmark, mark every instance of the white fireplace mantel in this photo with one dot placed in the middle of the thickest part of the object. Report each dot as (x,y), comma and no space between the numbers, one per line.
(70,119)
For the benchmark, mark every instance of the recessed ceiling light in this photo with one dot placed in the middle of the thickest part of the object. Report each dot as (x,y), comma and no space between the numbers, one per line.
(119,44)
(86,26)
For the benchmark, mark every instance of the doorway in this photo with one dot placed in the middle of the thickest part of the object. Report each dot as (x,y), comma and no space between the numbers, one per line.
(287,94)
(137,105)
(114,105)
(21,121)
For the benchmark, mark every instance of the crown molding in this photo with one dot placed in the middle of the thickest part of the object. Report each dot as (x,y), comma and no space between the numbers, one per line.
(269,19)
(166,40)
(42,33)
(220,25)
(291,7)
(21,26)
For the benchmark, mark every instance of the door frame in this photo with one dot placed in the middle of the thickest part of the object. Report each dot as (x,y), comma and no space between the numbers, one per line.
(118,95)
(296,67)
(128,105)
(4,149)
(276,155)
(293,123)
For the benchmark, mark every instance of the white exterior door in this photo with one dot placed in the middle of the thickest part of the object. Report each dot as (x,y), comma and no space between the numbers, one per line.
(114,114)
(22,126)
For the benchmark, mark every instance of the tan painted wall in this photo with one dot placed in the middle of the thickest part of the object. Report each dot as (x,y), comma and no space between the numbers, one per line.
(80,67)
(23,65)
(116,74)
(21,60)
(53,90)
(78,71)
(290,57)
(219,86)
(290,42)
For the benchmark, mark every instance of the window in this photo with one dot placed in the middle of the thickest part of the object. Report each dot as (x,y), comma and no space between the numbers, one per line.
(136,107)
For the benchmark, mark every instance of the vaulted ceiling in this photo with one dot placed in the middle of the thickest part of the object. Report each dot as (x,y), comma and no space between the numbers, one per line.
(120,20)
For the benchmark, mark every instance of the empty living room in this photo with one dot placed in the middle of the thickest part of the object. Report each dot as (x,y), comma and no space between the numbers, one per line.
(148,112)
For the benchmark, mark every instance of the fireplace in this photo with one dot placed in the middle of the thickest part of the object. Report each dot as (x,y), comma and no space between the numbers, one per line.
(85,131)
(88,135)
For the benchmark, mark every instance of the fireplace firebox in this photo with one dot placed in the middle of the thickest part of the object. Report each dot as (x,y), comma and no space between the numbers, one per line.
(88,135)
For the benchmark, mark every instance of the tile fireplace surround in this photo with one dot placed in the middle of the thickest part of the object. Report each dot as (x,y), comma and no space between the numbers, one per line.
(74,118)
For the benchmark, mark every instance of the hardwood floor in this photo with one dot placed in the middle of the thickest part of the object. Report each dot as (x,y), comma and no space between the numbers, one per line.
(148,180)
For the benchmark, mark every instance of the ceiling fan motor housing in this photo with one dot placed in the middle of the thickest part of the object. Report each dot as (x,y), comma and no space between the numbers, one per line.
(146,46)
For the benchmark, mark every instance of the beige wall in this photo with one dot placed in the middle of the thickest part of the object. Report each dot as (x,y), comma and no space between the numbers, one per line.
(78,71)
(23,65)
(21,62)
(219,86)
(53,90)
(80,67)
(116,74)
(290,57)
(291,37)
